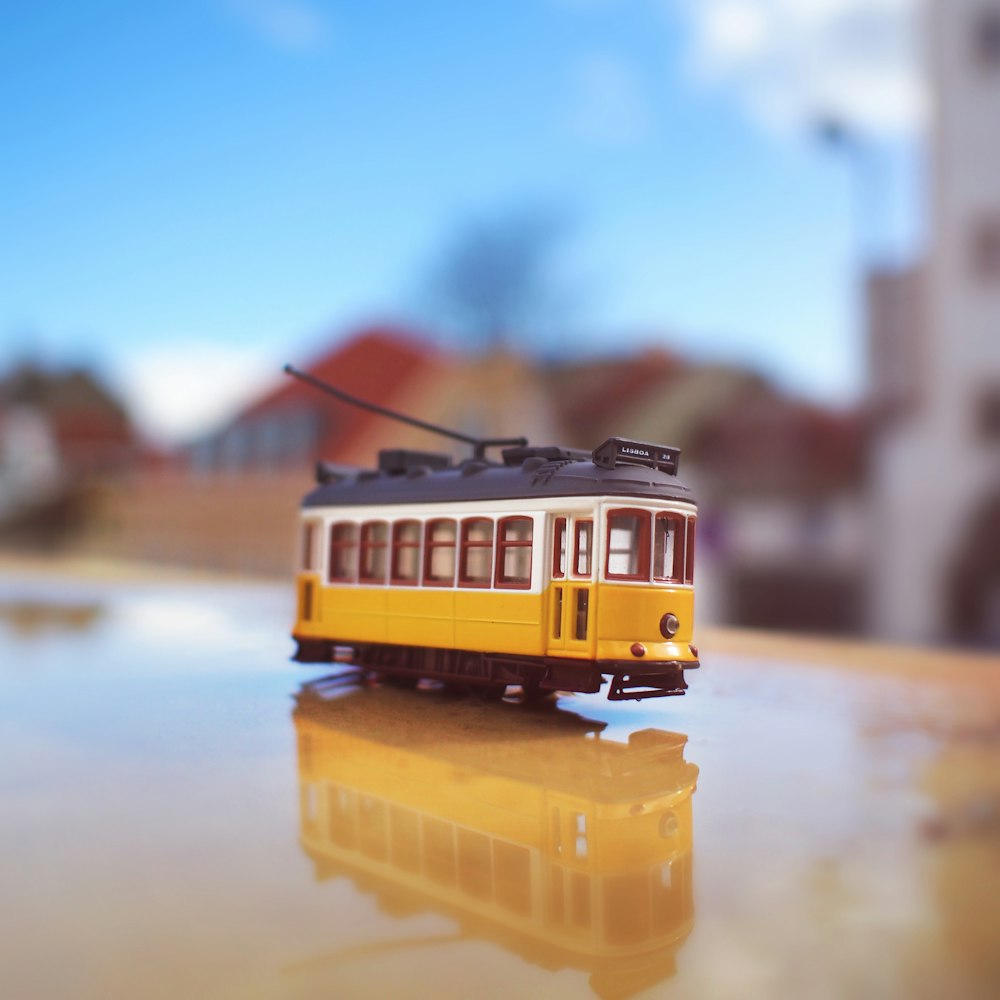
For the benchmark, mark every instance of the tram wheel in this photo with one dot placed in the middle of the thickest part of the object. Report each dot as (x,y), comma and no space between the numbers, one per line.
(401,682)
(489,692)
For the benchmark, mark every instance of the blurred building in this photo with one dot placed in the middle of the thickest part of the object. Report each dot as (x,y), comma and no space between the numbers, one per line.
(60,434)
(230,500)
(935,337)
(295,425)
(779,482)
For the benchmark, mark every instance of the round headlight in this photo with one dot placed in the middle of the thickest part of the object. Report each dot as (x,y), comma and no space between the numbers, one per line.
(668,825)
(669,625)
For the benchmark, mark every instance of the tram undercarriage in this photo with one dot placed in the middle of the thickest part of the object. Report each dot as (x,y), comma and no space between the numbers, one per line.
(489,674)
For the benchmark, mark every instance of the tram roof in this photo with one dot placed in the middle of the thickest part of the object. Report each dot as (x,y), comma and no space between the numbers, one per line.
(526,474)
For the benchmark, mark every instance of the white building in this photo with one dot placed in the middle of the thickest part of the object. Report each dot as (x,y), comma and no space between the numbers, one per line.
(935,559)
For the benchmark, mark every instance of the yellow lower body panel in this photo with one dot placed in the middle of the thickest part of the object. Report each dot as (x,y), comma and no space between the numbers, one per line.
(493,621)
(442,618)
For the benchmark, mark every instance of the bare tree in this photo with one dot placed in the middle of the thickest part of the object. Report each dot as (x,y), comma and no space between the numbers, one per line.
(497,278)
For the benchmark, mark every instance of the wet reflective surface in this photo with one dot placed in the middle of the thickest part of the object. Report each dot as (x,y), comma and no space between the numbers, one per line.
(185,813)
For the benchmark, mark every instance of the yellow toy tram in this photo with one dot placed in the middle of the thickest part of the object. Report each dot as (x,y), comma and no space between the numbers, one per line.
(550,569)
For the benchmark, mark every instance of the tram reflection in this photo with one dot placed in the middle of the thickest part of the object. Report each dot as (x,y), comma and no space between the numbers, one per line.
(526,827)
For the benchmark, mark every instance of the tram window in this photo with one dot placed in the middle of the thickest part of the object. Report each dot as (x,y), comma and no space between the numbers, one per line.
(667,898)
(582,610)
(343,552)
(405,551)
(514,537)
(374,535)
(559,549)
(475,873)
(626,908)
(373,827)
(512,865)
(439,850)
(309,545)
(628,544)
(557,895)
(439,553)
(583,547)
(580,833)
(307,801)
(668,547)
(475,566)
(579,895)
(404,838)
(340,810)
(689,562)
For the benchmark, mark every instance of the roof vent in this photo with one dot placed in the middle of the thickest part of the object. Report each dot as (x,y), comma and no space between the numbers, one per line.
(620,451)
(473,465)
(550,453)
(330,472)
(399,461)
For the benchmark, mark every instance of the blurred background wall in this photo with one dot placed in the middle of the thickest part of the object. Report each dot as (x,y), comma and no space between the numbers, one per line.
(766,232)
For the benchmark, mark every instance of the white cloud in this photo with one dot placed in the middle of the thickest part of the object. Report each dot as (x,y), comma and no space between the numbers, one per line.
(178,391)
(610,106)
(296,25)
(793,61)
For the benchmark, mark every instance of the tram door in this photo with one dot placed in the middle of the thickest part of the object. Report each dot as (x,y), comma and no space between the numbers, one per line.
(571,606)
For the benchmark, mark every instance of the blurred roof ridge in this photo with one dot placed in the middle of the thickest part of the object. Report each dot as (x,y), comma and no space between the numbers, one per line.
(372,362)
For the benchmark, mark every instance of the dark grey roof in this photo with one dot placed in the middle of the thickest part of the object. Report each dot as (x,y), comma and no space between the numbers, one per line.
(479,480)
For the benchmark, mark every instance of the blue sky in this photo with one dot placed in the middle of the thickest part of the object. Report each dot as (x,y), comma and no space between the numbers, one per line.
(193,192)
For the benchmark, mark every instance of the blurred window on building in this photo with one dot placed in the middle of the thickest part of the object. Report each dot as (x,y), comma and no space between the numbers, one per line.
(302,433)
(988,414)
(202,457)
(269,441)
(895,338)
(235,448)
(986,249)
(986,39)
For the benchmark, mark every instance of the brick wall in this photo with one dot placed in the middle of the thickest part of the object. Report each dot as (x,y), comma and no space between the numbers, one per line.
(242,524)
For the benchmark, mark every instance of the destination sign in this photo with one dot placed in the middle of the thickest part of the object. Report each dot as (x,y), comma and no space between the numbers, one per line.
(619,451)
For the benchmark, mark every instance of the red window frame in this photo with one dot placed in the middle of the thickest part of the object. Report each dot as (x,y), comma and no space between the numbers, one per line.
(431,545)
(369,546)
(643,544)
(309,546)
(560,547)
(342,544)
(689,551)
(679,527)
(399,544)
(468,543)
(582,527)
(504,543)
